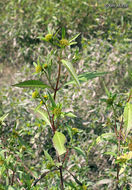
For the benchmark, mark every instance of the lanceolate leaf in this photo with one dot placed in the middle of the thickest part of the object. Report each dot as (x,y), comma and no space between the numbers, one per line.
(79,151)
(74,38)
(59,140)
(49,157)
(43,114)
(52,100)
(105,136)
(128,117)
(31,84)
(70,114)
(86,76)
(70,68)
(3,117)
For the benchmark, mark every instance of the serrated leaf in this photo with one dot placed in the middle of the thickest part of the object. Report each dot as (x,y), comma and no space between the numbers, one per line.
(86,76)
(128,117)
(31,84)
(71,70)
(49,157)
(43,115)
(59,140)
(79,151)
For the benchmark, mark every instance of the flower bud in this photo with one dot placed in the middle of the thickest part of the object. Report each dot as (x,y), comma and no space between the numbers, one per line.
(64,42)
(48,37)
(45,66)
(35,94)
(38,68)
(41,102)
(45,97)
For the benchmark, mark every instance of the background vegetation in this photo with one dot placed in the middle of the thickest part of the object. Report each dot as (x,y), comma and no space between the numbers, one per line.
(105,45)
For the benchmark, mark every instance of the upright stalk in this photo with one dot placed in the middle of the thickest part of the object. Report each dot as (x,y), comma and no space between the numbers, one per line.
(55,92)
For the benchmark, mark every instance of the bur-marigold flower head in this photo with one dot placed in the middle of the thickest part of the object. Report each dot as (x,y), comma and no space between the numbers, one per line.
(64,42)
(45,97)
(48,37)
(45,65)
(35,94)
(41,102)
(38,68)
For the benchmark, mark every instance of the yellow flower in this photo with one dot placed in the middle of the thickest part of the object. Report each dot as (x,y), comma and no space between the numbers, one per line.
(45,97)
(38,68)
(64,42)
(48,37)
(35,94)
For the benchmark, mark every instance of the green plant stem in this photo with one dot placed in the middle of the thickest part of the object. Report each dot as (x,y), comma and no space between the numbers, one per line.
(49,80)
(52,126)
(118,147)
(55,92)
(77,181)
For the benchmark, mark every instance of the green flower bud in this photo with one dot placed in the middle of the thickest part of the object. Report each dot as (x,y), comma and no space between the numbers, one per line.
(45,66)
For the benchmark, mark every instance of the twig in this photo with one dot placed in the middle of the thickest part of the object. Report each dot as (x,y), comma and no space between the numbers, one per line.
(77,181)
(43,175)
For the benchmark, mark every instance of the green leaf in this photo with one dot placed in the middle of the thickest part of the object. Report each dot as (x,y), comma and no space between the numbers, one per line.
(74,38)
(63,32)
(122,169)
(70,114)
(111,153)
(31,84)
(105,136)
(49,157)
(106,90)
(70,68)
(43,114)
(3,117)
(11,188)
(86,76)
(59,140)
(128,117)
(52,100)
(79,151)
